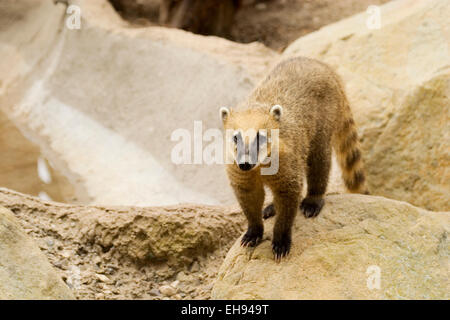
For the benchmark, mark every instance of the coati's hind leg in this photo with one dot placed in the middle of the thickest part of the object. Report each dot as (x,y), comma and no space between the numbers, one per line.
(269,211)
(251,198)
(318,171)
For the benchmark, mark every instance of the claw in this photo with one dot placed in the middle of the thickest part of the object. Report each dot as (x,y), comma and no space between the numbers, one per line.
(268,211)
(252,237)
(311,207)
(281,248)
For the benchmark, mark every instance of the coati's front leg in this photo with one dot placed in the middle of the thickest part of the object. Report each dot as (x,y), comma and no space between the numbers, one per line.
(250,195)
(286,205)
(318,171)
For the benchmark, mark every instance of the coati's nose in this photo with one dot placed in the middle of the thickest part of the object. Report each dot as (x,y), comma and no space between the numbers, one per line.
(246,166)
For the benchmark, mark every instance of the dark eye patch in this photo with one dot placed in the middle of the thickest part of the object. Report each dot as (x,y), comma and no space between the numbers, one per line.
(260,139)
(237,137)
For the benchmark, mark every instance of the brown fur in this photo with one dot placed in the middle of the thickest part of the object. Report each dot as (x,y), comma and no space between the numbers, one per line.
(316,116)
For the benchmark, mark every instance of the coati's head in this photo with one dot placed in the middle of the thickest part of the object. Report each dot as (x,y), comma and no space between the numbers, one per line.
(251,134)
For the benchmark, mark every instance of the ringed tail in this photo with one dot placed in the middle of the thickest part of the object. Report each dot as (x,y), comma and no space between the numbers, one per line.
(349,154)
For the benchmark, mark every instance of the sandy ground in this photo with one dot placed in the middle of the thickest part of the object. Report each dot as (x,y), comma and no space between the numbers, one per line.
(276,23)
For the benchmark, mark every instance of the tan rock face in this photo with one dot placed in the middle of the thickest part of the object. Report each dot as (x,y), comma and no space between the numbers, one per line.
(174,234)
(107,120)
(397,80)
(356,243)
(25,272)
(129,252)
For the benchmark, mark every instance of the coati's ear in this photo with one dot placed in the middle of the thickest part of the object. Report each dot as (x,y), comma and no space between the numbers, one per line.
(224,113)
(276,111)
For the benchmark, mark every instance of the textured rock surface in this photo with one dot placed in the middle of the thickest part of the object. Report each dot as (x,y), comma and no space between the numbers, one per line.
(335,255)
(25,272)
(129,252)
(398,82)
(142,235)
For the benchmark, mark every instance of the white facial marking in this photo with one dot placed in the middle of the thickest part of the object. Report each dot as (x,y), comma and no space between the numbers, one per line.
(276,111)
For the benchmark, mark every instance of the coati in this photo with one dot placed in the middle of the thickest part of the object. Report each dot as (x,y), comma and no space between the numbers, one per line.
(305,101)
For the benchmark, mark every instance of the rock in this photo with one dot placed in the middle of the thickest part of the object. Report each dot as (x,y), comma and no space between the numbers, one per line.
(175,283)
(139,235)
(398,83)
(25,273)
(340,254)
(195,267)
(155,292)
(99,296)
(121,111)
(167,290)
(102,277)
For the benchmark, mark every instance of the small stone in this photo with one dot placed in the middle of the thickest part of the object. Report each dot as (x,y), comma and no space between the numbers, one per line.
(175,283)
(102,277)
(50,242)
(155,292)
(66,254)
(167,290)
(181,276)
(195,267)
(97,260)
(99,296)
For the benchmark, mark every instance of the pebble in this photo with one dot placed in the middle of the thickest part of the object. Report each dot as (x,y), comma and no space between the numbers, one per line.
(181,276)
(155,292)
(175,283)
(102,277)
(167,290)
(99,296)
(195,267)
(50,242)
(97,260)
(66,254)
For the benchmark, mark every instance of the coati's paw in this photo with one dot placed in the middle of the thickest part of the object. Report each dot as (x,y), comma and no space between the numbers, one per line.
(281,246)
(268,211)
(252,237)
(311,206)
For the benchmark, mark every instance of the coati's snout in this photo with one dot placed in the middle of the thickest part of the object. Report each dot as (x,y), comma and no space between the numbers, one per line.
(246,166)
(248,148)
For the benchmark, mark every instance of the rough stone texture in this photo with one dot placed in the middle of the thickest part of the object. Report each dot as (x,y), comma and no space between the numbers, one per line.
(25,272)
(129,252)
(398,83)
(97,100)
(331,254)
(142,235)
